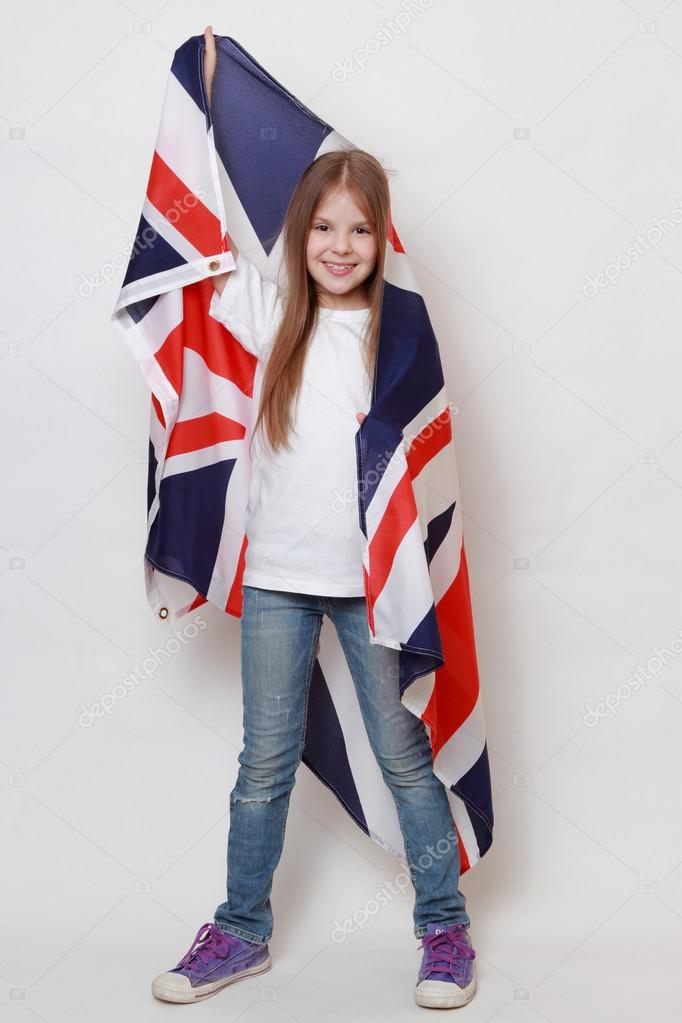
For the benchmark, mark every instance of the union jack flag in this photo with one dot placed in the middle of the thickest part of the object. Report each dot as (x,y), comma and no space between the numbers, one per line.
(237,165)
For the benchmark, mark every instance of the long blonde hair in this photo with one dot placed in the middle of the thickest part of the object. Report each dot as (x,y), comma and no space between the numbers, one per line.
(364,177)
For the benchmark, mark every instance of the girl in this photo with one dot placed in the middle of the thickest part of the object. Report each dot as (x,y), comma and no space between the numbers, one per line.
(317,347)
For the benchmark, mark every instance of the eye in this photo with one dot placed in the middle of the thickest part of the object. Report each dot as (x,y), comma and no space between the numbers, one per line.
(324,227)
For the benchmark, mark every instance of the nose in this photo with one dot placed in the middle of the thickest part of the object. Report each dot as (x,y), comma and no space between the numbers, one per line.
(341,246)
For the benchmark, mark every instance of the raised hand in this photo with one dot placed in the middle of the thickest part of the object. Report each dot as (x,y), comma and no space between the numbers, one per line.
(210,60)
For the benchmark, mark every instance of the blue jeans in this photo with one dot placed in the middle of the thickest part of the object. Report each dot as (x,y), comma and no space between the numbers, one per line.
(279,640)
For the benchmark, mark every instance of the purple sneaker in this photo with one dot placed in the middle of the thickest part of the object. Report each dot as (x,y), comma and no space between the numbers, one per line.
(447,977)
(213,960)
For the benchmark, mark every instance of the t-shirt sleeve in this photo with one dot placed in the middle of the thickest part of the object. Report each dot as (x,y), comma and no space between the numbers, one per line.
(250,307)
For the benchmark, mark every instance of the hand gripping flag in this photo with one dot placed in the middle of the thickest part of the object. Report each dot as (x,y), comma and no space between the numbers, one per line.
(234,168)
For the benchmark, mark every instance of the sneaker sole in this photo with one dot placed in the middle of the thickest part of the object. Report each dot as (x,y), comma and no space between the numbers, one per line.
(168,988)
(441,994)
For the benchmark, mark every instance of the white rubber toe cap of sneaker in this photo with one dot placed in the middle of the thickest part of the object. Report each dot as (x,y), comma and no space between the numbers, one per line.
(173,987)
(443,994)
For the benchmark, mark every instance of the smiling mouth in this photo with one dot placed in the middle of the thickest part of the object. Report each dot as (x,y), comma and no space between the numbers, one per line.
(338,269)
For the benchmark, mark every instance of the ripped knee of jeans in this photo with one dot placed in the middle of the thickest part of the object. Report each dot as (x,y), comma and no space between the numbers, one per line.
(255,799)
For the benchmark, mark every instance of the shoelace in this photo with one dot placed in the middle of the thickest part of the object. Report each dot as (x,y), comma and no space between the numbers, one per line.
(444,949)
(209,943)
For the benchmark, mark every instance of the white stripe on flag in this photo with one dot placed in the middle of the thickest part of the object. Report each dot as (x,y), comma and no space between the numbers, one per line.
(426,415)
(377,803)
(398,271)
(169,233)
(183,143)
(406,597)
(464,747)
(464,826)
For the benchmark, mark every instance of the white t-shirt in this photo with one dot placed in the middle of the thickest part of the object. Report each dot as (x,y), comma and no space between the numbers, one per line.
(302,513)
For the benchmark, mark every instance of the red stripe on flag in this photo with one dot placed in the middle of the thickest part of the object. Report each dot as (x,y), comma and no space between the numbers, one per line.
(178,204)
(394,239)
(170,356)
(235,597)
(203,432)
(220,350)
(159,411)
(369,600)
(464,862)
(436,435)
(398,517)
(197,602)
(456,684)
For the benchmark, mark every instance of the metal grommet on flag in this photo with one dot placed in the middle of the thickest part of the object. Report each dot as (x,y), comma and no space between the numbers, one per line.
(214,264)
(163,612)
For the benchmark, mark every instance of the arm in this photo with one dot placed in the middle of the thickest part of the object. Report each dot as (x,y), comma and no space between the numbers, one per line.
(250,307)
(210,62)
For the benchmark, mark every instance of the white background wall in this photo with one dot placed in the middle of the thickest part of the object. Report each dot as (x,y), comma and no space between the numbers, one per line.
(531,141)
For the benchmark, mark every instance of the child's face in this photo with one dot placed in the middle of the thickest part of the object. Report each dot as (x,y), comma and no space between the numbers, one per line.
(340,234)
